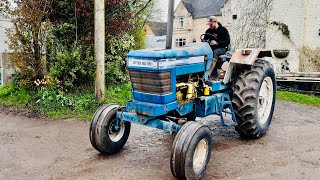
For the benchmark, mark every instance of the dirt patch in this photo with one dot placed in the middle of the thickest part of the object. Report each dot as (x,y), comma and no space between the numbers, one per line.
(36,148)
(9,110)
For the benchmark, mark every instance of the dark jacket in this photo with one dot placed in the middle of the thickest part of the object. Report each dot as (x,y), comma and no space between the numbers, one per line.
(221,35)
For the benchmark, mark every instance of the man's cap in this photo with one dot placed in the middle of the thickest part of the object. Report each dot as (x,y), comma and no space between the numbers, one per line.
(212,19)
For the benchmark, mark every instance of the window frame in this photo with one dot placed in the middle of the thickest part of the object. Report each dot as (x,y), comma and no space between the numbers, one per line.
(180,22)
(180,42)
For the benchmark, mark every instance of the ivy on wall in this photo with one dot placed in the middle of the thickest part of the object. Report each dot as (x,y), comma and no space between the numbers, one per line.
(283,28)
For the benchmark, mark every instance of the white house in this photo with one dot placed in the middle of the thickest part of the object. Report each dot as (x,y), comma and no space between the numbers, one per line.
(6,67)
(278,24)
(4,24)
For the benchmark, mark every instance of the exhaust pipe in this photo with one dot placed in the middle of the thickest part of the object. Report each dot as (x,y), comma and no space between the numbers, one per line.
(170,24)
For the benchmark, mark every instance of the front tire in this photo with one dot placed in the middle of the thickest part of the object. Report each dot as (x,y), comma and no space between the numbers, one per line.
(254,99)
(103,135)
(191,151)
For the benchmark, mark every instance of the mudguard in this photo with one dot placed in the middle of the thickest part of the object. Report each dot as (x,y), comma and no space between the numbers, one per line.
(239,58)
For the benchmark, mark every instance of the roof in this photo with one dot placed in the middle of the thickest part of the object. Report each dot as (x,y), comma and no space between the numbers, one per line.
(204,8)
(188,6)
(156,42)
(159,28)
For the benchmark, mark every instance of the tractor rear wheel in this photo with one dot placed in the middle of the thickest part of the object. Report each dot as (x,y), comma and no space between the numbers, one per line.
(191,151)
(104,137)
(254,99)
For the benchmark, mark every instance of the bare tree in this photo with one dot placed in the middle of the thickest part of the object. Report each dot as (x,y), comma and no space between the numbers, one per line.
(27,39)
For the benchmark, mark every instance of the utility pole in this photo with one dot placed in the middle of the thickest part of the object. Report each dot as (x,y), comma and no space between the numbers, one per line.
(170,24)
(99,48)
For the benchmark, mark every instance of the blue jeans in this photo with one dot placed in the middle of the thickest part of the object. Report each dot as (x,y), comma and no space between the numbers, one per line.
(218,52)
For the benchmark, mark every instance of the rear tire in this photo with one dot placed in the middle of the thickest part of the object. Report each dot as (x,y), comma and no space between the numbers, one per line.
(254,99)
(102,133)
(191,151)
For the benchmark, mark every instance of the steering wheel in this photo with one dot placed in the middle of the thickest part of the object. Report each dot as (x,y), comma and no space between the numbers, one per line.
(212,37)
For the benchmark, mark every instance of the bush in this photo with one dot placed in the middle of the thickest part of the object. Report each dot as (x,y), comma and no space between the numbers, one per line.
(52,99)
(73,67)
(116,55)
(56,104)
(64,33)
(139,38)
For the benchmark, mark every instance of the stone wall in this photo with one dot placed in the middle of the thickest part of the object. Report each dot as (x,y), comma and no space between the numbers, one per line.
(7,68)
(269,29)
(248,29)
(310,60)
(303,21)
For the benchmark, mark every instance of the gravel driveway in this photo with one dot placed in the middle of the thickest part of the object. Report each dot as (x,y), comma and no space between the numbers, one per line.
(35,148)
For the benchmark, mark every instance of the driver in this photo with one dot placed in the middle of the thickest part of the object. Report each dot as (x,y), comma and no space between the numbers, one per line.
(218,37)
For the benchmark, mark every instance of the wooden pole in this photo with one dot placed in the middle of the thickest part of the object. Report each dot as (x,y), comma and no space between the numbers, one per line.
(99,48)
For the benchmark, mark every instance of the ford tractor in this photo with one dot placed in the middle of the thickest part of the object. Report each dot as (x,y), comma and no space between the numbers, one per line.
(173,87)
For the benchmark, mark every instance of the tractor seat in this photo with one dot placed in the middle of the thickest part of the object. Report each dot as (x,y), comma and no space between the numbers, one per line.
(226,57)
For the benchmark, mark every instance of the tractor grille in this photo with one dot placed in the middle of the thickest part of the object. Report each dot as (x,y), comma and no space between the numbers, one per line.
(151,82)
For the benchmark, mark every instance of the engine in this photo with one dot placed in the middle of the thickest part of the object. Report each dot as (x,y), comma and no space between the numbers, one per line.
(189,87)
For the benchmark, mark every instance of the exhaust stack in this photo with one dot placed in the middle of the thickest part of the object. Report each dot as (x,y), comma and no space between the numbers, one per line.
(170,24)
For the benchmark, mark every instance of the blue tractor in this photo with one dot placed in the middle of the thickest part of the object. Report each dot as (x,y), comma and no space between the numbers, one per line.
(174,86)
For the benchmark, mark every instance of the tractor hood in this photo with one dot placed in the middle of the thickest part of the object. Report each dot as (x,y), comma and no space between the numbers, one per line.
(192,50)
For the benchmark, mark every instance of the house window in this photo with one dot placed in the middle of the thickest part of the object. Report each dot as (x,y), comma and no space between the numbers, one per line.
(180,42)
(180,22)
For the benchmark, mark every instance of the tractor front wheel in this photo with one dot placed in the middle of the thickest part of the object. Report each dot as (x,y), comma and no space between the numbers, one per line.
(191,151)
(254,99)
(104,136)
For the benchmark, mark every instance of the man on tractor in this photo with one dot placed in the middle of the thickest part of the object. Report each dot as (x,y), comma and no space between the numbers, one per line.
(219,39)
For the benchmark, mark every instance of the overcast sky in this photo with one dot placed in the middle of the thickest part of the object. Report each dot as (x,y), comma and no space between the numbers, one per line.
(163,5)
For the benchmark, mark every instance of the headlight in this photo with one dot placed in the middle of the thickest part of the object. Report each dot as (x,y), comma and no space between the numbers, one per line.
(246,51)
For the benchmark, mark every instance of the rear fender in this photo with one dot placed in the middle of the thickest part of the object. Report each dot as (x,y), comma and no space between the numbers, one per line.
(239,59)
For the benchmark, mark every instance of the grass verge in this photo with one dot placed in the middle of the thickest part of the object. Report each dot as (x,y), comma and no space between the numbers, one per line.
(13,96)
(299,98)
(80,104)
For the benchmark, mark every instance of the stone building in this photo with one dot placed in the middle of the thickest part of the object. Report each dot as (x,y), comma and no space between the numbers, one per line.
(190,19)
